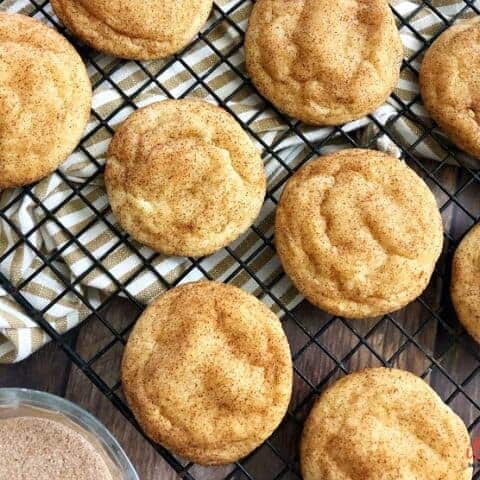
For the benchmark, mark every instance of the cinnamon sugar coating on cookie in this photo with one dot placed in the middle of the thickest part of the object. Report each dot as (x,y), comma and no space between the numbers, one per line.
(323,62)
(184,178)
(207,372)
(383,424)
(465,288)
(136,29)
(45,99)
(358,232)
(450,84)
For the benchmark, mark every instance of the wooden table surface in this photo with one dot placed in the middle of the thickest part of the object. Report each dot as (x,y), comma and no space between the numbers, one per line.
(50,370)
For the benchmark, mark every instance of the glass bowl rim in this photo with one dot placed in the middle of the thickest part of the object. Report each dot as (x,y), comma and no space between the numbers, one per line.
(56,404)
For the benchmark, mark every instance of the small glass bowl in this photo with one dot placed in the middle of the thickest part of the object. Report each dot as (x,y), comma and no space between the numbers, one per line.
(20,402)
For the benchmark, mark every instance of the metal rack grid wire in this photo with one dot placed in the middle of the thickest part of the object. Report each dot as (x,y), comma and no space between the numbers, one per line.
(425,337)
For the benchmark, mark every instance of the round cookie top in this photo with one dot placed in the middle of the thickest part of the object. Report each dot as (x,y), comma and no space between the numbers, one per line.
(358,232)
(450,84)
(135,29)
(184,178)
(323,62)
(45,99)
(382,423)
(207,372)
(465,289)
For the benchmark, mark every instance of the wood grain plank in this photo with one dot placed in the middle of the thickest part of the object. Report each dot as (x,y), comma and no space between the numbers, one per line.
(47,370)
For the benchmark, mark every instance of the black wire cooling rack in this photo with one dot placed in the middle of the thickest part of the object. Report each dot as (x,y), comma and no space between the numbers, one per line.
(424,338)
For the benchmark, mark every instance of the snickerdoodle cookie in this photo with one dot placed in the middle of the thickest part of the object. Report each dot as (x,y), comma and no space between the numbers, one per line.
(207,372)
(383,424)
(358,232)
(45,99)
(184,178)
(137,29)
(450,84)
(465,289)
(323,62)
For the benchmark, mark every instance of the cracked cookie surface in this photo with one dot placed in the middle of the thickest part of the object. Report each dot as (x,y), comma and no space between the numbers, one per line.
(450,84)
(135,29)
(358,232)
(465,289)
(184,178)
(45,99)
(207,372)
(323,62)
(384,424)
